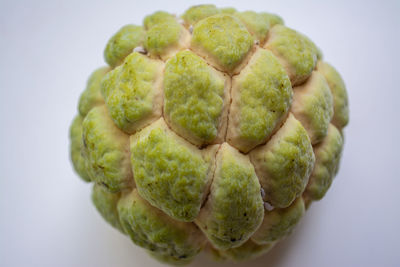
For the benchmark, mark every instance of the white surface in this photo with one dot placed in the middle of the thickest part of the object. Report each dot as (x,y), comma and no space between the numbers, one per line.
(47,50)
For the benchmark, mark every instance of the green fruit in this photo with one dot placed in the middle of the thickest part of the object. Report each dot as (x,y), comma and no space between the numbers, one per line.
(210,131)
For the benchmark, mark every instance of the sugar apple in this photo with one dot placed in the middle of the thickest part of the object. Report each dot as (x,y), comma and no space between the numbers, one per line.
(210,131)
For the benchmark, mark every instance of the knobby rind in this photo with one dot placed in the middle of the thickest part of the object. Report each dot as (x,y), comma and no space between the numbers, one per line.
(214,130)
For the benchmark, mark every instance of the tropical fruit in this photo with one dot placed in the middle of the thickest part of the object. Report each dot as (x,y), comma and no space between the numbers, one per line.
(214,130)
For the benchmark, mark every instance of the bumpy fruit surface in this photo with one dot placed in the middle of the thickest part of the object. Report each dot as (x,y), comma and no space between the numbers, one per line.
(210,131)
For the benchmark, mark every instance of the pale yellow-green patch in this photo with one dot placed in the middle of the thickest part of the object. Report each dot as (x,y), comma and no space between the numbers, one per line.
(261,98)
(91,96)
(278,223)
(234,208)
(284,164)
(169,172)
(166,38)
(313,106)
(196,13)
(122,44)
(75,134)
(257,24)
(228,10)
(167,239)
(106,204)
(106,151)
(295,51)
(223,40)
(272,18)
(319,54)
(327,154)
(339,93)
(156,18)
(194,97)
(132,92)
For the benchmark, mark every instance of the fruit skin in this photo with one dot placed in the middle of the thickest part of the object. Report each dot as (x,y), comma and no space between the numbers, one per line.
(170,173)
(295,51)
(226,49)
(213,131)
(339,94)
(261,98)
(106,203)
(234,208)
(104,151)
(328,154)
(197,121)
(121,44)
(279,223)
(132,90)
(150,228)
(76,146)
(92,96)
(313,106)
(285,163)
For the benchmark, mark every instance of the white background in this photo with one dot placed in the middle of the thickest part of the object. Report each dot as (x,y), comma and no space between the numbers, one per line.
(47,51)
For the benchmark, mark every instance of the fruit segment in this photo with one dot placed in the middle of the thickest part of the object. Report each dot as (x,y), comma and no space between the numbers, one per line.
(284,164)
(91,96)
(169,172)
(122,43)
(256,23)
(313,106)
(295,51)
(339,93)
(278,223)
(165,238)
(106,151)
(133,92)
(106,204)
(234,208)
(261,98)
(327,154)
(196,99)
(197,13)
(75,134)
(223,41)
